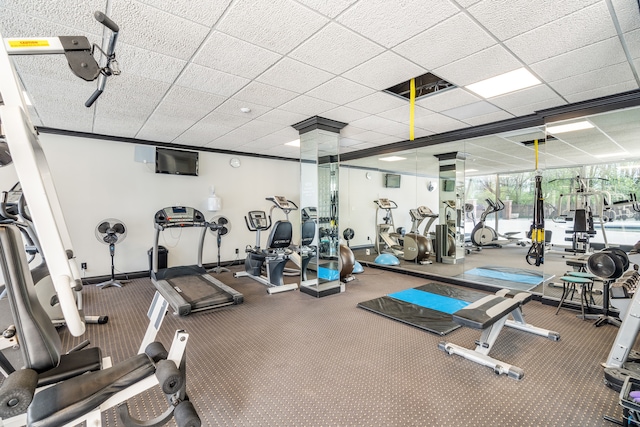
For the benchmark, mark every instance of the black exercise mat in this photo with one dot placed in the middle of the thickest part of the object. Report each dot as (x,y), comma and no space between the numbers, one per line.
(424,318)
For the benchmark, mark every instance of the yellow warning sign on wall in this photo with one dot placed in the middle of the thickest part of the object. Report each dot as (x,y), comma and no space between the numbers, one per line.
(28,43)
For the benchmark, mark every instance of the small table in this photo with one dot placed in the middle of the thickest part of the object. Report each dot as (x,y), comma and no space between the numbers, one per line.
(569,285)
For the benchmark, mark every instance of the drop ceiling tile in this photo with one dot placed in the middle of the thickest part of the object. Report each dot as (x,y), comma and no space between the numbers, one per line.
(487,63)
(344,114)
(594,79)
(308,106)
(203,132)
(330,8)
(204,12)
(280,137)
(526,96)
(180,109)
(467,3)
(134,60)
(398,130)
(603,91)
(524,110)
(283,117)
(392,23)
(627,14)
(377,102)
(234,56)
(498,17)
(263,94)
(278,25)
(471,110)
(66,13)
(438,123)
(447,99)
(350,131)
(231,107)
(210,80)
(581,60)
(385,70)
(564,35)
(162,32)
(488,118)
(340,91)
(632,40)
(335,49)
(450,40)
(294,76)
(373,123)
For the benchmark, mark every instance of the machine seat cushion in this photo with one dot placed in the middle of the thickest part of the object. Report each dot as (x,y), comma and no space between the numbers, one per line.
(485,312)
(522,296)
(68,400)
(71,365)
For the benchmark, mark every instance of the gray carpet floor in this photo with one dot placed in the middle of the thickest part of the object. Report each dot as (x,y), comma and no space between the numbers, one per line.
(292,360)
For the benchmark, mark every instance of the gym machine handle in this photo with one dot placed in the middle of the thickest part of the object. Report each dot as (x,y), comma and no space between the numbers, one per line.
(107,70)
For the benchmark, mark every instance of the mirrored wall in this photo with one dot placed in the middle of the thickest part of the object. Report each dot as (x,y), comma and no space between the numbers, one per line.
(399,202)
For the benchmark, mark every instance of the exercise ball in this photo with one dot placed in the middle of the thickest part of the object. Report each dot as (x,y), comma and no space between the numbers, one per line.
(386,259)
(357,268)
(347,261)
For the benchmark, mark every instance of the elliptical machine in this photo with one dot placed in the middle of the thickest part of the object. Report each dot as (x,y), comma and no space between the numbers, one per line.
(418,216)
(411,247)
(483,235)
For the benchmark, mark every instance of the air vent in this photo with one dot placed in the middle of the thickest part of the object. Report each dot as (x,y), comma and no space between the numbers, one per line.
(540,141)
(426,84)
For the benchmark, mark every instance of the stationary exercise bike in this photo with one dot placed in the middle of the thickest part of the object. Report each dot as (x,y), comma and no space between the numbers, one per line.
(411,247)
(273,258)
(483,235)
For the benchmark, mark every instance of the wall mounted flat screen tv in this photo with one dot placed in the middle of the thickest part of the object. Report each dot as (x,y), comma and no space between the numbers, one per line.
(449,185)
(391,180)
(176,162)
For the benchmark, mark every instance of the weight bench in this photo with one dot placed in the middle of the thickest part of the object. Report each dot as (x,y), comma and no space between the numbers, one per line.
(490,314)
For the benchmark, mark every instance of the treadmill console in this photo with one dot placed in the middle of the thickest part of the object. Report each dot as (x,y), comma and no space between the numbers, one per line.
(309,213)
(258,220)
(179,216)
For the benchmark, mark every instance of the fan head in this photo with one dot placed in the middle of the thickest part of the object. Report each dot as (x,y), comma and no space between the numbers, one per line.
(110,231)
(219,225)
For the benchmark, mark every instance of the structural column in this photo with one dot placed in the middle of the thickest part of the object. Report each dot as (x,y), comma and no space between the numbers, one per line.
(319,179)
(450,231)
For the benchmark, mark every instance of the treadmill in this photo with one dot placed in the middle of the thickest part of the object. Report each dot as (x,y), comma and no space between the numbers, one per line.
(188,288)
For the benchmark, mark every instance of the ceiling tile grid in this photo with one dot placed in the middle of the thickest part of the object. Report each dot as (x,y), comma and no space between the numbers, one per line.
(189,66)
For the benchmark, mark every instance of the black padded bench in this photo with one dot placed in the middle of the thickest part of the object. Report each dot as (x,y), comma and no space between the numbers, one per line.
(490,314)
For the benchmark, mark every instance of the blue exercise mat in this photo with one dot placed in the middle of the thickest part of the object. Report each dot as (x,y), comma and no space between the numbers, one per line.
(428,300)
(530,279)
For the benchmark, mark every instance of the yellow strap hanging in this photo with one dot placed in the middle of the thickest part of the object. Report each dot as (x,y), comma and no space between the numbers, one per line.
(412,110)
(535,147)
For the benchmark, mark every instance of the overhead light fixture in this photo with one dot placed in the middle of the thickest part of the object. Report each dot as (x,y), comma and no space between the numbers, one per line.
(392,159)
(471,170)
(295,143)
(602,156)
(504,83)
(569,127)
(245,109)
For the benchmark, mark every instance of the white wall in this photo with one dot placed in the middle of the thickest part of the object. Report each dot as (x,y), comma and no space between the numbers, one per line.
(357,193)
(98,179)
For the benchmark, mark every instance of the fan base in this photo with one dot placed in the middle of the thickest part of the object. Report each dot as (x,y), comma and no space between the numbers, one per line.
(109,283)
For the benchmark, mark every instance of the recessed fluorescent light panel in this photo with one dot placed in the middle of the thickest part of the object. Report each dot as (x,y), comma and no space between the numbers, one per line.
(602,156)
(392,159)
(569,127)
(504,83)
(295,143)
(471,170)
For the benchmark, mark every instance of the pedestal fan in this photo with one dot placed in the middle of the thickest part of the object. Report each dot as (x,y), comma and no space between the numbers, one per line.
(219,225)
(111,231)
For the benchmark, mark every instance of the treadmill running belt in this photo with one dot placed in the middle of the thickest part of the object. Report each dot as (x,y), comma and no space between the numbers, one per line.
(196,289)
